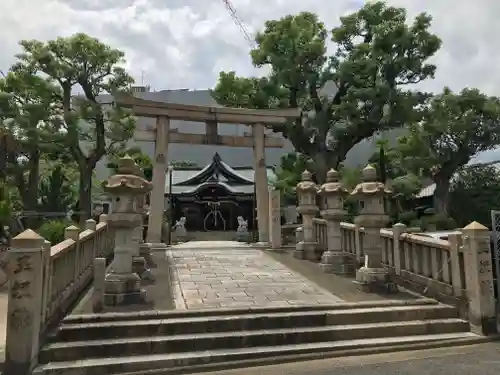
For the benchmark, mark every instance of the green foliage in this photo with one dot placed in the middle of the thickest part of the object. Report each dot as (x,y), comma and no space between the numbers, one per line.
(475,191)
(408,218)
(350,177)
(378,52)
(56,192)
(6,208)
(91,129)
(53,231)
(26,112)
(183,164)
(289,175)
(141,159)
(436,222)
(454,128)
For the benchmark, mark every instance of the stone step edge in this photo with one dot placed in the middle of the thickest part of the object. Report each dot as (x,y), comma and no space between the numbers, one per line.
(279,331)
(166,314)
(284,353)
(275,316)
(267,361)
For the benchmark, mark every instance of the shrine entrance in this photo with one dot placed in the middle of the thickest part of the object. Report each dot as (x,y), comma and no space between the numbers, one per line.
(162,134)
(211,198)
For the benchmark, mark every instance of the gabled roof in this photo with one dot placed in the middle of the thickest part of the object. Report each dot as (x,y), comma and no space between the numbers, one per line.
(218,173)
(213,172)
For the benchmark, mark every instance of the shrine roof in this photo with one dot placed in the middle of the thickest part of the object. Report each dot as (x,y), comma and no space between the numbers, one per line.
(235,180)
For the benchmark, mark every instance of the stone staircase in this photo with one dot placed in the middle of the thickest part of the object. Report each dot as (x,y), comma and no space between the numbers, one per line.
(172,342)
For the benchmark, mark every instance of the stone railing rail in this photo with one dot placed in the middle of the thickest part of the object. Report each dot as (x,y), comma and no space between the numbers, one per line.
(352,241)
(45,282)
(319,227)
(426,264)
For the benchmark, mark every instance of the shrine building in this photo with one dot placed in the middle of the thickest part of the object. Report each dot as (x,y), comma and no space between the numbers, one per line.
(212,197)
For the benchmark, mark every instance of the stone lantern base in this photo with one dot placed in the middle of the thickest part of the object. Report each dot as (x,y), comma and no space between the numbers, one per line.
(123,289)
(375,280)
(145,252)
(305,250)
(335,262)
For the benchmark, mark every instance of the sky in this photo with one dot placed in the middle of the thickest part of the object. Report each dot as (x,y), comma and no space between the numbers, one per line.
(172,44)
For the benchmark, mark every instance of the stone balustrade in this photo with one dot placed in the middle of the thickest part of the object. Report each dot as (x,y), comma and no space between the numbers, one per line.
(44,283)
(320,233)
(458,270)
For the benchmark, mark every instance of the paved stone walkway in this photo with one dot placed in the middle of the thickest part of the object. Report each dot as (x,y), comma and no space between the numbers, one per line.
(226,275)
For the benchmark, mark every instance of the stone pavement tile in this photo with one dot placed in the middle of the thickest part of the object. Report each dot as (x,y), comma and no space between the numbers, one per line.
(241,277)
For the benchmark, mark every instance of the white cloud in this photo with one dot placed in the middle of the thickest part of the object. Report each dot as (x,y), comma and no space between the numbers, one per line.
(185,43)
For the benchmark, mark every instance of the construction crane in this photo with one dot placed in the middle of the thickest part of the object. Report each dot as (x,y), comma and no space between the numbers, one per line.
(239,22)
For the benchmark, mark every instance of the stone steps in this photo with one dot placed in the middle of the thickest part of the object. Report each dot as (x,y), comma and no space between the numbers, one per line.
(164,342)
(249,322)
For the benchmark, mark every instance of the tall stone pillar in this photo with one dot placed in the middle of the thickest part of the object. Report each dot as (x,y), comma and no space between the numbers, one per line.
(122,284)
(274,218)
(333,193)
(157,202)
(479,279)
(306,194)
(261,183)
(24,309)
(372,276)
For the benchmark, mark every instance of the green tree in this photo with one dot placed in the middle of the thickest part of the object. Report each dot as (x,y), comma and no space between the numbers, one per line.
(80,63)
(26,114)
(454,128)
(475,191)
(56,192)
(289,175)
(183,164)
(390,169)
(377,56)
(141,159)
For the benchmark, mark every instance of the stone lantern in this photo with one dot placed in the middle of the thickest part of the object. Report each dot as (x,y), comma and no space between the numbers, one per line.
(127,189)
(333,194)
(306,194)
(371,199)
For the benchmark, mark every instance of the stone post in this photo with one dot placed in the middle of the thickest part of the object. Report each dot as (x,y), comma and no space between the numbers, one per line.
(306,194)
(91,224)
(397,230)
(479,279)
(372,276)
(261,184)
(98,286)
(157,203)
(24,309)
(73,232)
(127,188)
(333,193)
(275,218)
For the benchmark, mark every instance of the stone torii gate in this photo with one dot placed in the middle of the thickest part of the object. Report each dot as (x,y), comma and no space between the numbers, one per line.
(162,135)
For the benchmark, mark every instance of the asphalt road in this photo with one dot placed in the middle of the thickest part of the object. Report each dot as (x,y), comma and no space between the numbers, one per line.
(481,359)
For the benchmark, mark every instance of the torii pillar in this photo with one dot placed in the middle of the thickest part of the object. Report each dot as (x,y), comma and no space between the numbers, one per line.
(157,201)
(261,183)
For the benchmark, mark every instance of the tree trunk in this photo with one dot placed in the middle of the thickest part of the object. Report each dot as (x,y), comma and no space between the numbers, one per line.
(441,195)
(85,192)
(30,196)
(320,167)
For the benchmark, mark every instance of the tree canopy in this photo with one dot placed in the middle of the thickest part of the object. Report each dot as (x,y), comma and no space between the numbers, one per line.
(376,56)
(454,128)
(85,66)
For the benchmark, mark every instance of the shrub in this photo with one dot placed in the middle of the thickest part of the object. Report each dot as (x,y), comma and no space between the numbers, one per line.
(53,230)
